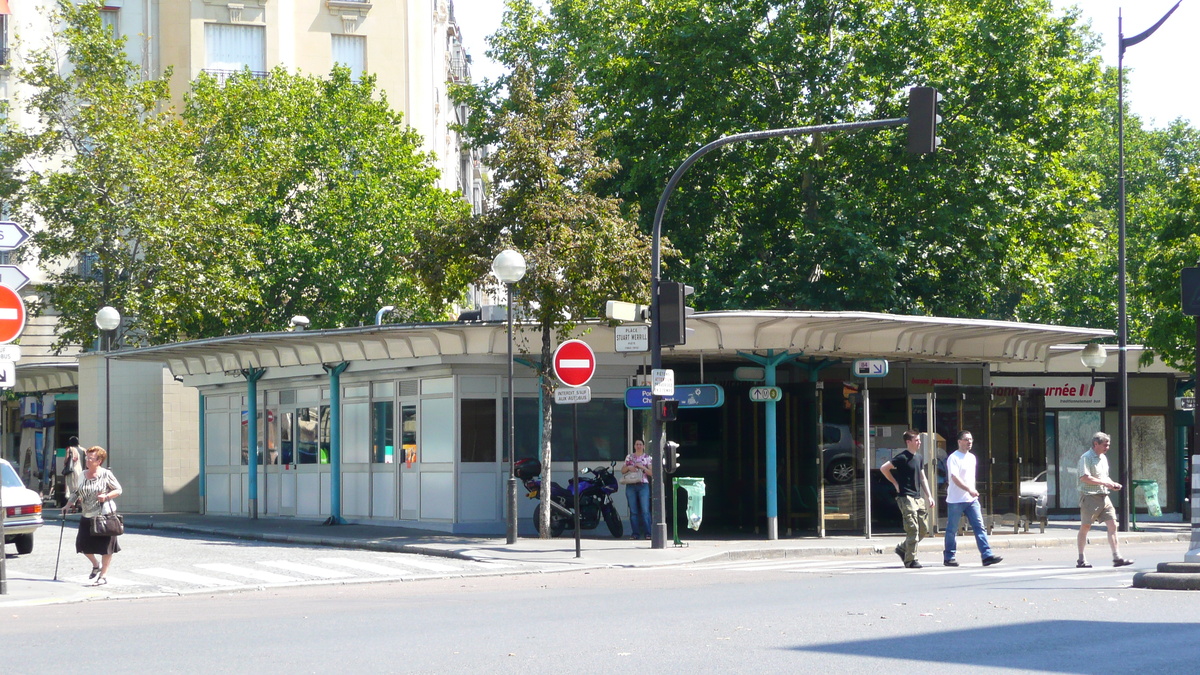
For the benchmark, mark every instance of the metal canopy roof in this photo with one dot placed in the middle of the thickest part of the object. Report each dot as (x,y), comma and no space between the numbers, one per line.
(716,334)
(45,377)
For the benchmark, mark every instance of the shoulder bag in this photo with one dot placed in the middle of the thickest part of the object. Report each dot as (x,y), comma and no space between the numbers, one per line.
(109,523)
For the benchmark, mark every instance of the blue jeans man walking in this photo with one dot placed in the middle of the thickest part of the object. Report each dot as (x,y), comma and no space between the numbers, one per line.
(963,499)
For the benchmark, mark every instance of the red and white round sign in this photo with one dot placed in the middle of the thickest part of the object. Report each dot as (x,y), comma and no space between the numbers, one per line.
(12,315)
(574,363)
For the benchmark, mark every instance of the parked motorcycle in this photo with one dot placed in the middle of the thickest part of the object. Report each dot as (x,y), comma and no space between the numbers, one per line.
(596,489)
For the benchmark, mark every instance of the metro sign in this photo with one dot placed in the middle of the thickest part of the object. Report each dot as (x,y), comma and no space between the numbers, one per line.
(574,363)
(12,315)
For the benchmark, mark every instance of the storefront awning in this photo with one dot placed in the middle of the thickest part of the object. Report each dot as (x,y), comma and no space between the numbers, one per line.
(845,335)
(46,377)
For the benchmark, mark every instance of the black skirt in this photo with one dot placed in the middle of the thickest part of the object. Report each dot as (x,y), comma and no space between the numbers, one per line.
(86,542)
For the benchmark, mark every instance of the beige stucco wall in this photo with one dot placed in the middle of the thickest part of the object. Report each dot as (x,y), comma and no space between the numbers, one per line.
(149,423)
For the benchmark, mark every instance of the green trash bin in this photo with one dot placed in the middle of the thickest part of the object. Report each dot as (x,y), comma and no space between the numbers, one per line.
(694,487)
(1150,492)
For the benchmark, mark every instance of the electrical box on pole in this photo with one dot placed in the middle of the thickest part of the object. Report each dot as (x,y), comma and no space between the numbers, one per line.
(923,119)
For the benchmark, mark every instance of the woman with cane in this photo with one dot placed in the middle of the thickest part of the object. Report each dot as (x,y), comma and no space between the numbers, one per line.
(98,487)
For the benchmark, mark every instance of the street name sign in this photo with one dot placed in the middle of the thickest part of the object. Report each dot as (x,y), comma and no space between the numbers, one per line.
(632,338)
(870,368)
(574,363)
(12,235)
(765,394)
(688,395)
(572,395)
(12,315)
(12,277)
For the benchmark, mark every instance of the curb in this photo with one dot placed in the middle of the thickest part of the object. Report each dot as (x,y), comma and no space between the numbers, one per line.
(1167,581)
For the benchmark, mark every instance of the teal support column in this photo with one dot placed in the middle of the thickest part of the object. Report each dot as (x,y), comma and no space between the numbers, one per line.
(335,443)
(252,375)
(202,479)
(769,363)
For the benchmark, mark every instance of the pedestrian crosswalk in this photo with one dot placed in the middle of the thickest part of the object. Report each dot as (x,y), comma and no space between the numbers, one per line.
(886,565)
(186,577)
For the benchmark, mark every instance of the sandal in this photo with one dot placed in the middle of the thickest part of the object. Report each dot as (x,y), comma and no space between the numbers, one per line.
(95,573)
(1084,564)
(1121,562)
(100,581)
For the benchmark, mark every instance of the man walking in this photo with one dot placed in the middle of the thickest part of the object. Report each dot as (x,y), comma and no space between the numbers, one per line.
(963,499)
(906,473)
(1094,504)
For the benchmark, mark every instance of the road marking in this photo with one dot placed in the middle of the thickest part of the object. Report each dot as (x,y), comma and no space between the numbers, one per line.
(310,570)
(365,566)
(247,572)
(186,577)
(428,566)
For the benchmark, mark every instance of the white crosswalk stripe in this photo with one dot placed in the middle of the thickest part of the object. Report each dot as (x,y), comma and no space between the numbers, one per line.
(885,565)
(364,566)
(248,573)
(310,570)
(186,577)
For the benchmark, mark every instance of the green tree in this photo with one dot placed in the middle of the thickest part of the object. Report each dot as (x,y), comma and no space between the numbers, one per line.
(580,248)
(840,221)
(122,216)
(339,193)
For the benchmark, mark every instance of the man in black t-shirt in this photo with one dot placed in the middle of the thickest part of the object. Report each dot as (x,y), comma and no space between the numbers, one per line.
(906,473)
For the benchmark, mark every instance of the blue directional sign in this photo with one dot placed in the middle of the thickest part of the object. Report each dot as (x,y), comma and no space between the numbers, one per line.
(688,395)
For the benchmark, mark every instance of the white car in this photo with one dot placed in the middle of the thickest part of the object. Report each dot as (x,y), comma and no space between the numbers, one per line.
(22,509)
(1036,488)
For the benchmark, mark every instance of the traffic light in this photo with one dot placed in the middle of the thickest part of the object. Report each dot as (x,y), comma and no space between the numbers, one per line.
(673,313)
(923,119)
(666,410)
(672,456)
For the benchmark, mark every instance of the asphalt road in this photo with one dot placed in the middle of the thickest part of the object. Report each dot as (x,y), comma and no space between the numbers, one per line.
(862,614)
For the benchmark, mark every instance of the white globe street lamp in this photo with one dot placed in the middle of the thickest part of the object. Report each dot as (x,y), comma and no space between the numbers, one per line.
(509,268)
(107,320)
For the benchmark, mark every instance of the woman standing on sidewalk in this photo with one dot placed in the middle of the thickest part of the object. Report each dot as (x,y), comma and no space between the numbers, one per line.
(98,487)
(638,494)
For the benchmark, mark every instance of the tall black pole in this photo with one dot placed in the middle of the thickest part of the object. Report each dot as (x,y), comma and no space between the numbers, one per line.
(511,433)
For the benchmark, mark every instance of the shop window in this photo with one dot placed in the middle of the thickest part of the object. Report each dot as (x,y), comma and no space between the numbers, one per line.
(602,435)
(478,435)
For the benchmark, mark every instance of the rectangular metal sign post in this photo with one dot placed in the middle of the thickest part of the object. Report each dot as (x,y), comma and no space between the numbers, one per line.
(867,454)
(575,469)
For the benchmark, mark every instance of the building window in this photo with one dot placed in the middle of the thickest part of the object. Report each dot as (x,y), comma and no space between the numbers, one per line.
(351,51)
(479,430)
(3,39)
(110,18)
(230,49)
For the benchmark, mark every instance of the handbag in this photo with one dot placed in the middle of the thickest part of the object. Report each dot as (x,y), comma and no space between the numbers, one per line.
(632,478)
(109,524)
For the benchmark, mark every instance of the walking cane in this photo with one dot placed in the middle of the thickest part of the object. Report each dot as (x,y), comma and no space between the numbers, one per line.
(60,538)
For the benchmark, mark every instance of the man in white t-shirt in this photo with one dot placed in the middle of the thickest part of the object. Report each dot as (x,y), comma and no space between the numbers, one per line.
(963,499)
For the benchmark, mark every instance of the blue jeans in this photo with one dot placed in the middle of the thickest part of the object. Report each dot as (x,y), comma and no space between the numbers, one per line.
(638,496)
(954,514)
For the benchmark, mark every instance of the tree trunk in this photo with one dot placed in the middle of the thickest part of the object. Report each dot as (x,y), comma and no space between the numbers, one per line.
(547,384)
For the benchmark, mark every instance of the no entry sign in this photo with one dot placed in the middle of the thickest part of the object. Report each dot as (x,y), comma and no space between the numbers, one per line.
(12,315)
(574,363)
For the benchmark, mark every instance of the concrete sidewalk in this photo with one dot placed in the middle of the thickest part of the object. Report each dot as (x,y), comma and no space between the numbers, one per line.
(601,550)
(596,551)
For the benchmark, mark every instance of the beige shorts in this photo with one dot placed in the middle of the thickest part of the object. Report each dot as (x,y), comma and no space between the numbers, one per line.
(1096,509)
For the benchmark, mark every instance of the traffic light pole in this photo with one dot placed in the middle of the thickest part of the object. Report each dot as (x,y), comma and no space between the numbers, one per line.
(658,529)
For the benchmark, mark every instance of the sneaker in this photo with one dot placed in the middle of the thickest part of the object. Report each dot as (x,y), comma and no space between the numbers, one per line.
(1083,564)
(95,573)
(900,552)
(1121,562)
(950,563)
(914,565)
(987,562)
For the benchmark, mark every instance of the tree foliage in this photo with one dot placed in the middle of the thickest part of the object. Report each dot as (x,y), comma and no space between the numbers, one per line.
(264,199)
(581,248)
(122,209)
